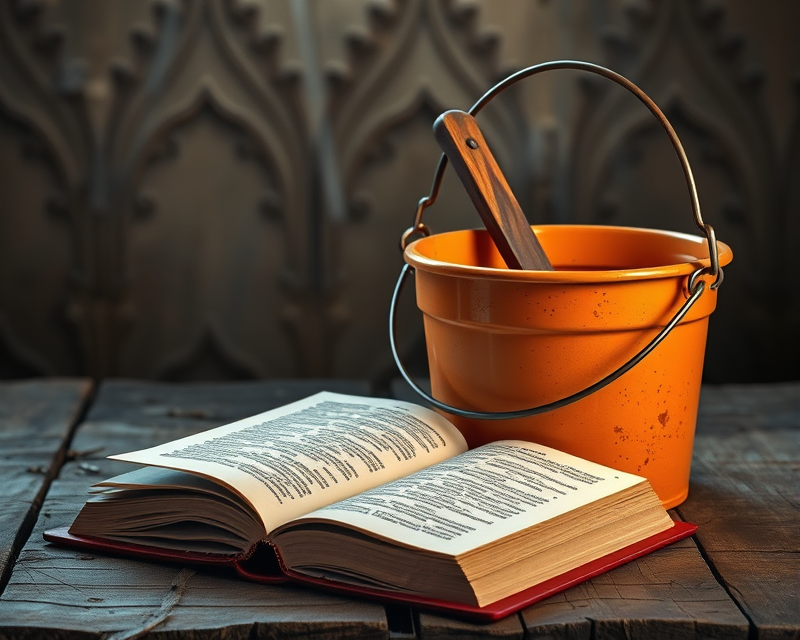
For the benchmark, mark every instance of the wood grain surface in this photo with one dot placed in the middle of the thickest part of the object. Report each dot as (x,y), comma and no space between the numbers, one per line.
(59,593)
(745,495)
(740,581)
(462,141)
(36,422)
(668,594)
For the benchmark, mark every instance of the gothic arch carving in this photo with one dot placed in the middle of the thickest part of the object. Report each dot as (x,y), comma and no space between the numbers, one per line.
(317,116)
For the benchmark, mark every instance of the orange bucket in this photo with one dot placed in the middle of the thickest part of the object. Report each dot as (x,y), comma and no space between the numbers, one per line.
(601,358)
(500,339)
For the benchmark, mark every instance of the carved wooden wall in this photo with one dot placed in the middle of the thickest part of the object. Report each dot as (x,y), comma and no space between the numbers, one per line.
(215,189)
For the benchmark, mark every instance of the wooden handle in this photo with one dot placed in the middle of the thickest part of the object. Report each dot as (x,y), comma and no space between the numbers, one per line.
(461,140)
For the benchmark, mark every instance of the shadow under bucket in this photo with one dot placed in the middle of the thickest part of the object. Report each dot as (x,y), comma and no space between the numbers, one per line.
(501,340)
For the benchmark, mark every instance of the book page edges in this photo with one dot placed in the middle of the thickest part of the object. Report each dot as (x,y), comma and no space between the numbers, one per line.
(269,570)
(263,565)
(511,604)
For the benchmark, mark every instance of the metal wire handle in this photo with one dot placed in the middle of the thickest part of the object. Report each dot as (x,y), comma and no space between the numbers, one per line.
(420,229)
(695,285)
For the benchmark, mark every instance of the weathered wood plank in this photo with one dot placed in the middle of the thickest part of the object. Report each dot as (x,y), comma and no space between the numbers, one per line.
(668,594)
(732,407)
(745,495)
(433,626)
(745,470)
(36,420)
(58,593)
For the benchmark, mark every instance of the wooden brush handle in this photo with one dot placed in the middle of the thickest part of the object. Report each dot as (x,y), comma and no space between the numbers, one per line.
(461,140)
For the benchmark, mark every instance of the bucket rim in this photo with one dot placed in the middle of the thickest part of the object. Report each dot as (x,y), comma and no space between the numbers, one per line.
(418,260)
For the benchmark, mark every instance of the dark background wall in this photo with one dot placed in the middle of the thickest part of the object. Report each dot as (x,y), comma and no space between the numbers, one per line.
(215,190)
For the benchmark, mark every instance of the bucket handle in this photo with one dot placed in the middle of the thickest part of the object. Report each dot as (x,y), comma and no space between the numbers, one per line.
(695,285)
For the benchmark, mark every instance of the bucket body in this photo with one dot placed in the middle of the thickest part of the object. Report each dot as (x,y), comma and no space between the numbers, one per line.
(503,340)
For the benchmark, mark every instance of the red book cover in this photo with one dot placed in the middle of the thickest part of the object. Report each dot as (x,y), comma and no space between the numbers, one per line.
(262,564)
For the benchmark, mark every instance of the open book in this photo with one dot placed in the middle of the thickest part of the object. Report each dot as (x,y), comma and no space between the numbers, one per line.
(377,497)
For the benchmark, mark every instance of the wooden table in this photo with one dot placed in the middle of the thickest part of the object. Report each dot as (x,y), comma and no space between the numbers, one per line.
(739,577)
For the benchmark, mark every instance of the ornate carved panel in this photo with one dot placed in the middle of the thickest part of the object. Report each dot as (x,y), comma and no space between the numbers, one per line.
(216,222)
(216,188)
(420,61)
(624,172)
(37,245)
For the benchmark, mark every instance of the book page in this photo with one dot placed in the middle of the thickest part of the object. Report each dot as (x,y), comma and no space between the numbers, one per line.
(163,479)
(478,497)
(292,460)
